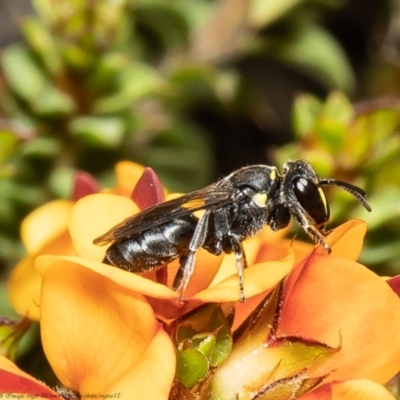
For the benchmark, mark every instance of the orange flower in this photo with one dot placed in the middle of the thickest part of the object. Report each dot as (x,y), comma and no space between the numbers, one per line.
(45,231)
(87,306)
(333,322)
(101,339)
(314,325)
(211,281)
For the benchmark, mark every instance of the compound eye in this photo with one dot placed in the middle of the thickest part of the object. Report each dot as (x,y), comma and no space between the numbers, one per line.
(312,198)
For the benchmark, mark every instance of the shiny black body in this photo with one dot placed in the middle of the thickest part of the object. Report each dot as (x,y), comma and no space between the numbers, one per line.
(234,208)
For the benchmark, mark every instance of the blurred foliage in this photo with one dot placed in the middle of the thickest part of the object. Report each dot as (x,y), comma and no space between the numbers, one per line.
(97,81)
(359,144)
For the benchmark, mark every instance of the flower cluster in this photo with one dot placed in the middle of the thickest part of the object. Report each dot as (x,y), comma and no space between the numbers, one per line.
(314,326)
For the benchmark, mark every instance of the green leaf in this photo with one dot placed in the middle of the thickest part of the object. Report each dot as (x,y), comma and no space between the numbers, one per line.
(135,83)
(61,181)
(191,366)
(99,131)
(41,42)
(263,13)
(208,331)
(205,343)
(306,110)
(333,123)
(22,74)
(318,52)
(41,147)
(53,102)
(45,10)
(8,144)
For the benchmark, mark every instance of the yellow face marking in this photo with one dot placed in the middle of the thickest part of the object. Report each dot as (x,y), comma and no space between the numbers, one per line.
(272,174)
(324,200)
(260,199)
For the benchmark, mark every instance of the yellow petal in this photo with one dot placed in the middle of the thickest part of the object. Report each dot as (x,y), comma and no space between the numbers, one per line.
(359,389)
(44,223)
(100,337)
(24,288)
(25,282)
(123,278)
(207,266)
(257,279)
(127,173)
(347,239)
(93,216)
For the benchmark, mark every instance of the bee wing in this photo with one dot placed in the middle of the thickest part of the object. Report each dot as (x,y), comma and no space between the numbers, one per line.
(159,214)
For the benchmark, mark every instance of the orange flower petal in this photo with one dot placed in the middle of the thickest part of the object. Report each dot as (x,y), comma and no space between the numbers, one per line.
(24,288)
(228,266)
(100,337)
(257,279)
(44,223)
(25,282)
(94,215)
(207,266)
(323,392)
(341,303)
(352,389)
(13,380)
(152,377)
(347,239)
(359,389)
(127,173)
(128,280)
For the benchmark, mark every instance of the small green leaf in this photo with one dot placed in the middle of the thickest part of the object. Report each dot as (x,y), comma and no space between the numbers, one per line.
(22,74)
(41,147)
(99,131)
(135,83)
(8,144)
(205,343)
(53,102)
(318,52)
(263,13)
(333,123)
(306,110)
(41,42)
(191,366)
(61,182)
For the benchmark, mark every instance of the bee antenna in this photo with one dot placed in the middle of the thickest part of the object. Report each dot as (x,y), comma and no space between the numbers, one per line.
(357,192)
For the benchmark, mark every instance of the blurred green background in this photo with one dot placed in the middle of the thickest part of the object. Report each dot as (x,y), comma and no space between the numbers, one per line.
(195,89)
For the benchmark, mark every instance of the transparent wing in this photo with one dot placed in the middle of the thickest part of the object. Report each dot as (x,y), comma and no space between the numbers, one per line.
(210,196)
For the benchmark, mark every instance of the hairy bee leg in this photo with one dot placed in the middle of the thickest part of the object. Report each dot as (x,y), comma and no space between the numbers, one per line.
(241,264)
(187,262)
(312,231)
(183,275)
(317,236)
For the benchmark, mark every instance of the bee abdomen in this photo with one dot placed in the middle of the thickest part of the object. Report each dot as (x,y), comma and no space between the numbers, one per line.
(152,248)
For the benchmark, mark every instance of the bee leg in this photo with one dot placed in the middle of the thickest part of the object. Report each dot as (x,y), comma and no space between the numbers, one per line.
(187,262)
(311,230)
(184,273)
(241,263)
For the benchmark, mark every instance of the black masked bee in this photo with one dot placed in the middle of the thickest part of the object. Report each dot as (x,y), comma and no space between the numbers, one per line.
(235,208)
